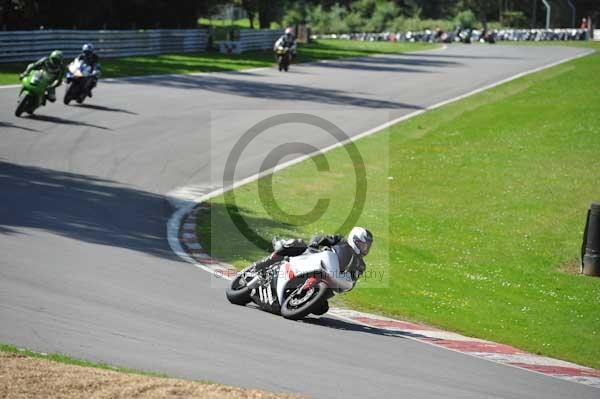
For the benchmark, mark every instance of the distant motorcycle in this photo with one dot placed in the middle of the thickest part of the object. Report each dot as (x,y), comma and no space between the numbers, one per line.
(79,80)
(33,92)
(294,287)
(283,58)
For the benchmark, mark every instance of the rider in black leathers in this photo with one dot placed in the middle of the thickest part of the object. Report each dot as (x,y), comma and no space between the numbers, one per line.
(89,57)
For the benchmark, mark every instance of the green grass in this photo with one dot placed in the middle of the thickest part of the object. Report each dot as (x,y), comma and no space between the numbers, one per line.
(477,210)
(215,62)
(60,358)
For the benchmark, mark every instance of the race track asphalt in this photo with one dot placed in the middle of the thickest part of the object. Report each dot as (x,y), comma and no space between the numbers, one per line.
(85,268)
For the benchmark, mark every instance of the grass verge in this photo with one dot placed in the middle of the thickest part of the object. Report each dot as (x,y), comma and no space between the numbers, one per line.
(60,358)
(27,374)
(477,210)
(216,62)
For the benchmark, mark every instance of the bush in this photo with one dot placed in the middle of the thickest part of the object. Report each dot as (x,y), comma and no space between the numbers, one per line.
(373,16)
(466,19)
(402,24)
(514,19)
(296,13)
(382,17)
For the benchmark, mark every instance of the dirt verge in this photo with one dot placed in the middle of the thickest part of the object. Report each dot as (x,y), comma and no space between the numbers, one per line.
(27,377)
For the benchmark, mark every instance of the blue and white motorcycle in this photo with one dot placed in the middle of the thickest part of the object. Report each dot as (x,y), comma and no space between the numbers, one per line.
(80,78)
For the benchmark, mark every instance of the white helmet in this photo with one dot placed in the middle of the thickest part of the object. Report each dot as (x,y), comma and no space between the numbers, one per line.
(289,31)
(88,47)
(360,239)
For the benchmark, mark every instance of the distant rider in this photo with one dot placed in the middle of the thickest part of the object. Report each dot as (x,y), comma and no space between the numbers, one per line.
(89,57)
(287,40)
(350,251)
(54,67)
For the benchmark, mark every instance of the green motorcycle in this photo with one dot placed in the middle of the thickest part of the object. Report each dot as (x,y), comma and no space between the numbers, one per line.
(33,92)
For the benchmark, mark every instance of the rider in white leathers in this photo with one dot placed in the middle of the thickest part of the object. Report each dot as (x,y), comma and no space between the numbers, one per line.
(287,40)
(350,252)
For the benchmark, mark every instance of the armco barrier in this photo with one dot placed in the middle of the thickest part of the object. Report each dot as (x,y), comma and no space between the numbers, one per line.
(251,39)
(448,37)
(30,45)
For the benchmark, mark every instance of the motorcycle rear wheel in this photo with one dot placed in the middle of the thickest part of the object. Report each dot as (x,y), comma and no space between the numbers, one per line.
(305,306)
(238,293)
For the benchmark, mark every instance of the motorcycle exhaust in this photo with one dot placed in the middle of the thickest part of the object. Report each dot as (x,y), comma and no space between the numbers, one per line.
(255,282)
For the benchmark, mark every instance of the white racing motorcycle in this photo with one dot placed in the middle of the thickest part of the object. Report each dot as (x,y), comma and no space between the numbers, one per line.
(293,287)
(78,79)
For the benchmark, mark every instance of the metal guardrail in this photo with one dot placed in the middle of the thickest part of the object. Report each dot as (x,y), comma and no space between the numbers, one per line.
(251,39)
(31,45)
(475,35)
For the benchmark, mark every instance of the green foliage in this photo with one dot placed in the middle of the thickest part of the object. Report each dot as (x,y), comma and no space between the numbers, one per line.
(402,24)
(296,13)
(466,19)
(375,16)
(382,17)
(364,8)
(514,19)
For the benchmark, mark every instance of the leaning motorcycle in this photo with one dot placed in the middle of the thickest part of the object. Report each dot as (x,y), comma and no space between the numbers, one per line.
(78,78)
(32,92)
(283,58)
(294,287)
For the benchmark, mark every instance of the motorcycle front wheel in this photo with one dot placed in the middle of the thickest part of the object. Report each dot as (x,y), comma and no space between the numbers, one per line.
(300,304)
(69,93)
(22,104)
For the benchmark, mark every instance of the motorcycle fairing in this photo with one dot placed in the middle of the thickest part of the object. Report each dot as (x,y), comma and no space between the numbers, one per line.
(264,296)
(303,265)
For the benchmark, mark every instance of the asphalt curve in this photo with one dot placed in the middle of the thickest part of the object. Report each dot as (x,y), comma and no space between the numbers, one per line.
(85,268)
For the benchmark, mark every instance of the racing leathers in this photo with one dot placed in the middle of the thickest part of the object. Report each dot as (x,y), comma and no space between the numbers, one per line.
(352,265)
(91,59)
(286,41)
(55,75)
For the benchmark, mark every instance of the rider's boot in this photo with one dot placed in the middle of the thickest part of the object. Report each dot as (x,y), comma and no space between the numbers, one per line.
(51,96)
(91,85)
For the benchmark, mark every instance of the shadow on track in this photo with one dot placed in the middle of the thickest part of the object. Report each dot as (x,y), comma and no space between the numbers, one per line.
(388,63)
(466,57)
(83,208)
(104,108)
(56,119)
(270,90)
(338,324)
(13,126)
